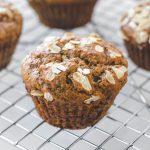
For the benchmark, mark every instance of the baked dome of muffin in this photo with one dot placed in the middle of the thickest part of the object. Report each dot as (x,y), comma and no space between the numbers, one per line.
(74,79)
(10,21)
(135,24)
(135,31)
(10,30)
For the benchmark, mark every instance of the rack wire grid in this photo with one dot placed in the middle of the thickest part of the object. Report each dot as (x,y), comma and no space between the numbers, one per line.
(125,127)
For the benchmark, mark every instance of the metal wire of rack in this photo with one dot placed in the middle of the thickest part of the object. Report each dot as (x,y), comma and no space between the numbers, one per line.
(125,127)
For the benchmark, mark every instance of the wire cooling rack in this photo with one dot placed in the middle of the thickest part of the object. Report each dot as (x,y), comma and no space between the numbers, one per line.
(127,124)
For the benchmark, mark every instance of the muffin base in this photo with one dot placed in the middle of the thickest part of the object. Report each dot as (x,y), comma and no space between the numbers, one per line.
(71,115)
(6,51)
(64,15)
(139,55)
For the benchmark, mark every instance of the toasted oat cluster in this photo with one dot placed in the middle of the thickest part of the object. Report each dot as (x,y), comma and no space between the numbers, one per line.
(74,68)
(10,22)
(7,12)
(135,24)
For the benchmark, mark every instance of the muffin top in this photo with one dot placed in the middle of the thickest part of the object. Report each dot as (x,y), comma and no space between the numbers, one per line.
(135,24)
(74,68)
(10,21)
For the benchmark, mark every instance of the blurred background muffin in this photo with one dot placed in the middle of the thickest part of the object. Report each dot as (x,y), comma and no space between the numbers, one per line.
(135,30)
(73,81)
(64,13)
(10,29)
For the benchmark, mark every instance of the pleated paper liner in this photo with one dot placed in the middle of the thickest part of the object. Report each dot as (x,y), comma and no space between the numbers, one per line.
(139,55)
(72,115)
(7,49)
(64,15)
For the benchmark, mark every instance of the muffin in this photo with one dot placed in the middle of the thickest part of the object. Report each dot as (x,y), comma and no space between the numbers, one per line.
(73,81)
(10,29)
(64,13)
(135,30)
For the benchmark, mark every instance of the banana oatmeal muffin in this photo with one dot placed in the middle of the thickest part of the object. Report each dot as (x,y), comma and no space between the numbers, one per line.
(10,29)
(64,13)
(135,30)
(73,81)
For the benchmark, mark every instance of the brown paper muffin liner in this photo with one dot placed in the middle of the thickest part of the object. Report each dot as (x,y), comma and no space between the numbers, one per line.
(6,51)
(64,15)
(70,114)
(139,55)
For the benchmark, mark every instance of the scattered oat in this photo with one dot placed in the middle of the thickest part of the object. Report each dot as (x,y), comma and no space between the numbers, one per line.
(75,42)
(68,36)
(131,12)
(99,48)
(83,80)
(92,99)
(68,46)
(132,24)
(94,35)
(55,68)
(6,12)
(120,71)
(144,24)
(84,71)
(58,68)
(114,54)
(50,76)
(36,93)
(48,96)
(3,10)
(55,49)
(141,37)
(109,77)
(51,39)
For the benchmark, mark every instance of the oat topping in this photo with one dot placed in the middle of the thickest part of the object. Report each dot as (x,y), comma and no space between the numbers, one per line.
(120,71)
(48,96)
(50,76)
(114,54)
(141,37)
(36,93)
(109,77)
(55,68)
(99,48)
(68,46)
(91,99)
(83,80)
(6,11)
(68,36)
(46,46)
(58,68)
(84,71)
(3,10)
(77,67)
(75,42)
(138,19)
(51,39)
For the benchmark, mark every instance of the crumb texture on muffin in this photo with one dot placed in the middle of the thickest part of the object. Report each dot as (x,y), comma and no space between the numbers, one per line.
(10,30)
(10,22)
(74,68)
(136,23)
(73,81)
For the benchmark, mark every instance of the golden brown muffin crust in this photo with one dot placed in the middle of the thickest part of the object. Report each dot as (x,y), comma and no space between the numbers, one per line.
(135,24)
(10,22)
(75,69)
